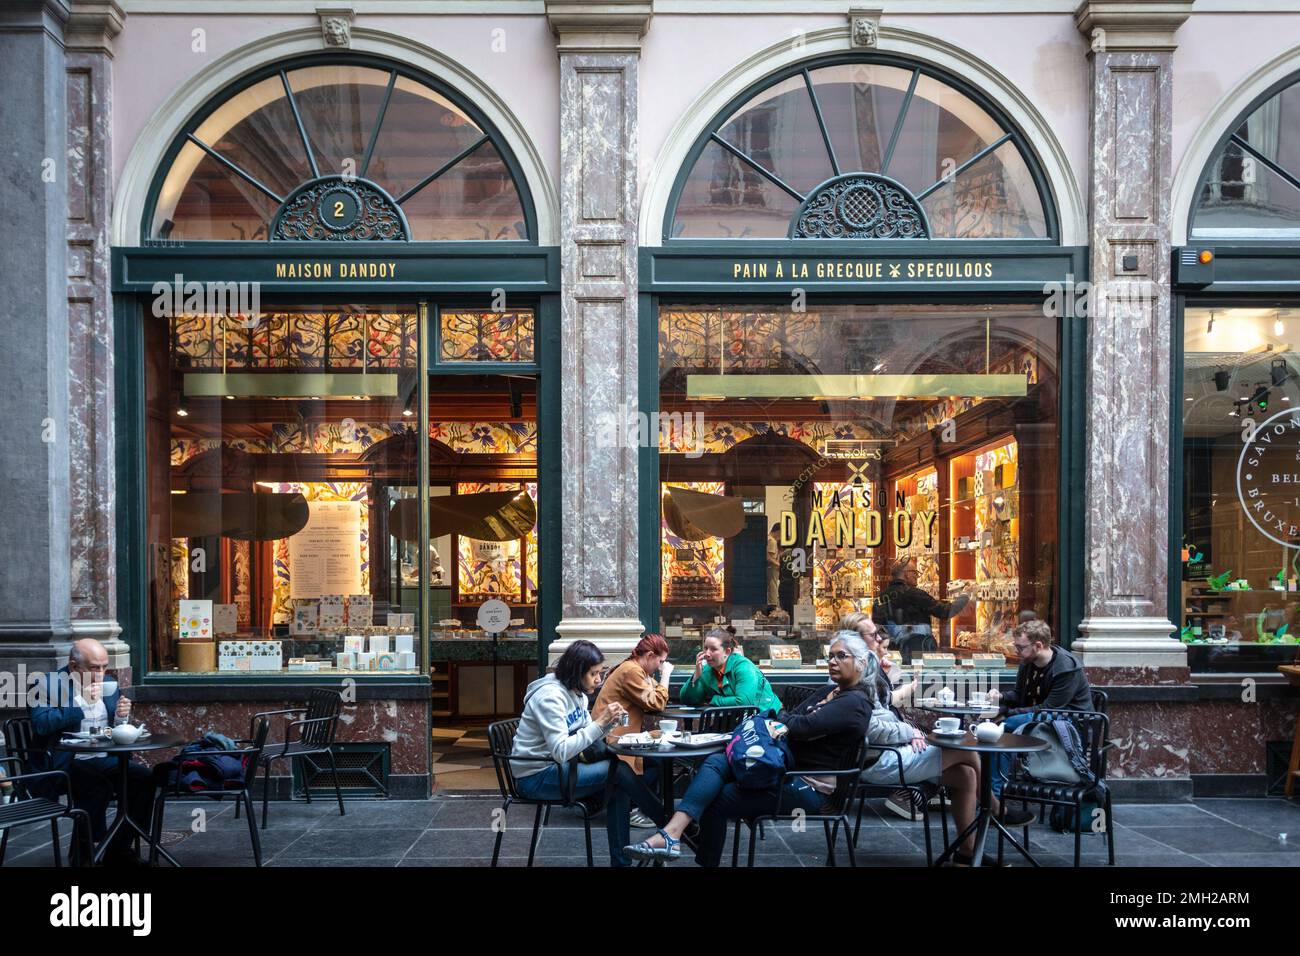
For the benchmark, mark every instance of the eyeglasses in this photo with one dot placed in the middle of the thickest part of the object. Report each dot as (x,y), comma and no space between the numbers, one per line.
(839,656)
(1021,648)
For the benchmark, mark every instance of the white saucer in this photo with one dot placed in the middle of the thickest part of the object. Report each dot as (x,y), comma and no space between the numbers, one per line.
(948,733)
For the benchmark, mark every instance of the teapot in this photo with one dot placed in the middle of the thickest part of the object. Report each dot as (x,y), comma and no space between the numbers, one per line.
(946,696)
(986,731)
(124,734)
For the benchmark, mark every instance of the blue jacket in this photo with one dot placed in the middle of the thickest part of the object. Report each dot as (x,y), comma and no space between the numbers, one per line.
(56,713)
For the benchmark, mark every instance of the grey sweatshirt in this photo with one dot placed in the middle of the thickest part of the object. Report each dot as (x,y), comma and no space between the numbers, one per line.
(887,728)
(555,724)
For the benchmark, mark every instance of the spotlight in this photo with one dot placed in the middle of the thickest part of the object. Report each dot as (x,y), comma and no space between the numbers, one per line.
(407,413)
(182,411)
(1278,372)
(1222,379)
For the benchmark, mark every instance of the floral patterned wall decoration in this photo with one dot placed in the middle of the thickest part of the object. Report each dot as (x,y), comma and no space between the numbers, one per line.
(505,336)
(492,569)
(287,340)
(701,576)
(720,436)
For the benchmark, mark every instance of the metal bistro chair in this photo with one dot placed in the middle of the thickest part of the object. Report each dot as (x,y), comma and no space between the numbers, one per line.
(862,790)
(723,720)
(316,729)
(835,810)
(250,751)
(1093,728)
(792,695)
(501,740)
(26,807)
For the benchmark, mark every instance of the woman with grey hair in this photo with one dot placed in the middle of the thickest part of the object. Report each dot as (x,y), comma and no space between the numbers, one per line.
(958,770)
(824,734)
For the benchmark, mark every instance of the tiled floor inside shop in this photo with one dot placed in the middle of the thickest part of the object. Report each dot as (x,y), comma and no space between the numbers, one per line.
(454,829)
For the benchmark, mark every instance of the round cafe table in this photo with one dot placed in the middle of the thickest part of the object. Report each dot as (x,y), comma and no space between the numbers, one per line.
(1006,744)
(665,756)
(123,754)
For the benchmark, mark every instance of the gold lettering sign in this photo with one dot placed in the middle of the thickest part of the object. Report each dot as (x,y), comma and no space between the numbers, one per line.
(794,270)
(327,271)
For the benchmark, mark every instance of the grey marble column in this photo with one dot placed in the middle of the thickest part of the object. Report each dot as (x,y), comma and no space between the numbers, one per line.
(1126,619)
(35,606)
(599,45)
(88,40)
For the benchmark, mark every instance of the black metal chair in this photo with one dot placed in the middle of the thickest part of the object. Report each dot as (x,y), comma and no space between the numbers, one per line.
(316,729)
(863,790)
(835,810)
(1093,728)
(250,751)
(1100,701)
(792,695)
(26,807)
(18,743)
(723,720)
(501,740)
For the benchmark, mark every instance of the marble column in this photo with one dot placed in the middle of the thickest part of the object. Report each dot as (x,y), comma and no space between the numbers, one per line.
(35,591)
(1126,627)
(599,46)
(88,40)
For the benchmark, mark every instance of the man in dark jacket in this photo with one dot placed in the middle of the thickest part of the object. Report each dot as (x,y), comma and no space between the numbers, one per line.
(72,700)
(1049,678)
(904,610)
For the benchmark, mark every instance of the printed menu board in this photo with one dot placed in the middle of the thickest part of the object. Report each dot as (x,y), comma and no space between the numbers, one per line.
(325,556)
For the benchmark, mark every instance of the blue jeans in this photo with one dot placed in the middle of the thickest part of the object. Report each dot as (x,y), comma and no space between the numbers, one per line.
(621,786)
(1002,762)
(713,800)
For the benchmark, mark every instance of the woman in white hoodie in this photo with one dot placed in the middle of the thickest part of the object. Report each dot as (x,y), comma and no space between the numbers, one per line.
(557,725)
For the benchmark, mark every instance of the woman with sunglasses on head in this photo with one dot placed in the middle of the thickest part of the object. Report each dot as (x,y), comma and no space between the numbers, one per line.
(824,733)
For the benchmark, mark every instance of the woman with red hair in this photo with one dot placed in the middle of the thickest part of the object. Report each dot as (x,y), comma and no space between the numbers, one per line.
(640,684)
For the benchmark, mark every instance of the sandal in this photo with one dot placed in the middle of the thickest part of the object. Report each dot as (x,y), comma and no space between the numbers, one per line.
(643,851)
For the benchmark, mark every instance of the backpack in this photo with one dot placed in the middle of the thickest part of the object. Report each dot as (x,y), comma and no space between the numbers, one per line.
(757,758)
(200,769)
(1064,760)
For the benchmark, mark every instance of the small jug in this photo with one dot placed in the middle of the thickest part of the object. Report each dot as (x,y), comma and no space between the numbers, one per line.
(986,731)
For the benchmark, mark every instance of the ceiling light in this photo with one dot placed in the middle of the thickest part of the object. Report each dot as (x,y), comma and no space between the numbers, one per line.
(407,413)
(1278,327)
(231,397)
(182,411)
(1222,379)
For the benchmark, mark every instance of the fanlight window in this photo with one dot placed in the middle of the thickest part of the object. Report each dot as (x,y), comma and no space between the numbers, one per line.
(338,152)
(861,151)
(1252,186)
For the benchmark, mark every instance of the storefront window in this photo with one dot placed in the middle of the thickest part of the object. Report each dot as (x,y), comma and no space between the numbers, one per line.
(1252,188)
(775,158)
(284,488)
(436,171)
(805,457)
(1240,587)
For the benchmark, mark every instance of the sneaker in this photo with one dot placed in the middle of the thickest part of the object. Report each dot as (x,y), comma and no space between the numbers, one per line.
(908,804)
(640,821)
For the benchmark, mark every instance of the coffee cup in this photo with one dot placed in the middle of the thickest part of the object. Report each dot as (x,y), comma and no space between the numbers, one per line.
(948,725)
(667,727)
(978,700)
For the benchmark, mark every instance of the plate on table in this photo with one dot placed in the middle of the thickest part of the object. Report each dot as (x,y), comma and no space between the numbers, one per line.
(641,741)
(696,741)
(948,733)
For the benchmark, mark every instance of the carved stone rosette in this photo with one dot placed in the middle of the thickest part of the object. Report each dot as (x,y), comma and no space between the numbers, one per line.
(860,206)
(375,216)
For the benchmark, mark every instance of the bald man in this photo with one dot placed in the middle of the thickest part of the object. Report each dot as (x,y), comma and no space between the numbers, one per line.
(73,700)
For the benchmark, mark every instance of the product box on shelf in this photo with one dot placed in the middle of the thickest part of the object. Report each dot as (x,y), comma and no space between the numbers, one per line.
(249,655)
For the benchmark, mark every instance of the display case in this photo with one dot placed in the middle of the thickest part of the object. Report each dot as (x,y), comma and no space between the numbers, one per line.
(984,546)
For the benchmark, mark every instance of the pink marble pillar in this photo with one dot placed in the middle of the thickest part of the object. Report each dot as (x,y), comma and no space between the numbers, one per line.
(88,39)
(1127,633)
(599,45)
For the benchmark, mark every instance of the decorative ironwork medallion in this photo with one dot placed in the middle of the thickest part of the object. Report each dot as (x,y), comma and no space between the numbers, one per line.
(860,206)
(332,208)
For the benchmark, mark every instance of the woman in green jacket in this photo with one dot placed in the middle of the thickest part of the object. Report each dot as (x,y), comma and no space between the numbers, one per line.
(723,678)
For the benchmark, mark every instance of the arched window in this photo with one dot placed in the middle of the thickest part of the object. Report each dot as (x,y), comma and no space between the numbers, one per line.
(324,149)
(1251,188)
(861,149)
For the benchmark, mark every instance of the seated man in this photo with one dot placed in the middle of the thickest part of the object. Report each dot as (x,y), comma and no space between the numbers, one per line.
(1049,678)
(73,700)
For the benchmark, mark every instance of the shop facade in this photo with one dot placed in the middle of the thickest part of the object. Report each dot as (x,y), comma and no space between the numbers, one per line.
(645,316)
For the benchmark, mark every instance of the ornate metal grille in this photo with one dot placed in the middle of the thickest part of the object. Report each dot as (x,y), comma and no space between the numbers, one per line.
(860,206)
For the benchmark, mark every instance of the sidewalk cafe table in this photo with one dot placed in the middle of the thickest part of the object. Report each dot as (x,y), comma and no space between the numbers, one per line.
(1006,744)
(665,757)
(123,753)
